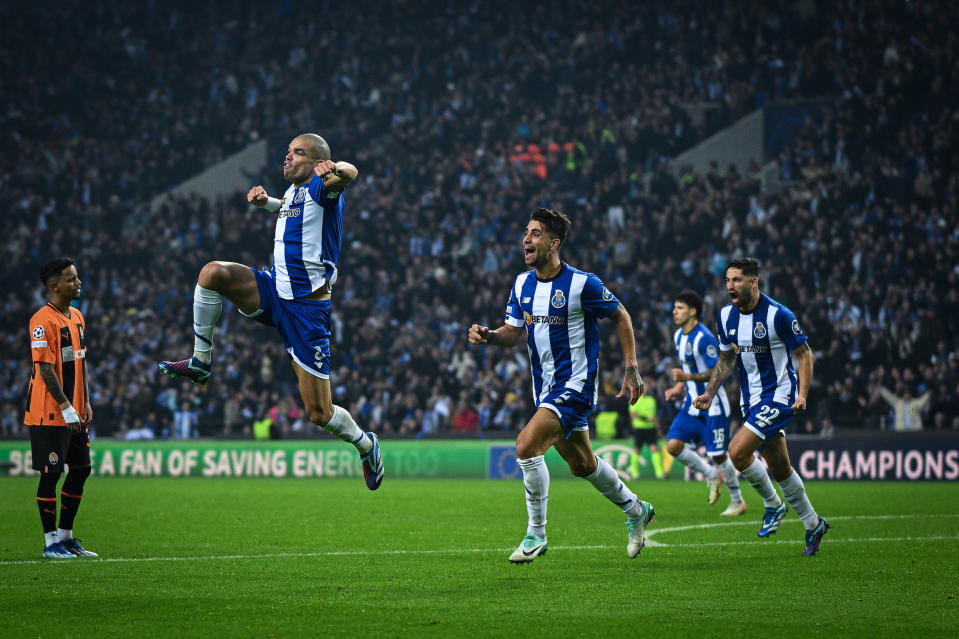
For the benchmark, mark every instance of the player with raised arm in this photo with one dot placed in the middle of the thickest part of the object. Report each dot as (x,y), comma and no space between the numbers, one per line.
(295,296)
(59,408)
(557,307)
(763,338)
(698,352)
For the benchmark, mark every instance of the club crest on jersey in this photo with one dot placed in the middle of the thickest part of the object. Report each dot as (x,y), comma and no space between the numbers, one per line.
(559,300)
(54,459)
(607,295)
(38,332)
(300,196)
(689,348)
(759,331)
(796,329)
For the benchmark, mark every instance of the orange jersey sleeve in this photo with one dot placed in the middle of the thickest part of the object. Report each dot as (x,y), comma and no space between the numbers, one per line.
(57,340)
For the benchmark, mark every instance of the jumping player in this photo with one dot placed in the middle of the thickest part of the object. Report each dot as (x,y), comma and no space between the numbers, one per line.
(295,296)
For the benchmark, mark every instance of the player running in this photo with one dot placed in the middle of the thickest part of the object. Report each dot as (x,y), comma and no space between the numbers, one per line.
(558,306)
(295,296)
(763,338)
(698,352)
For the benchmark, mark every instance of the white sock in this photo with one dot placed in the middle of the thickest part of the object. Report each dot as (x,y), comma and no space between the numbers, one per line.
(63,534)
(536,482)
(795,494)
(694,462)
(731,479)
(207,305)
(342,425)
(50,538)
(606,481)
(758,479)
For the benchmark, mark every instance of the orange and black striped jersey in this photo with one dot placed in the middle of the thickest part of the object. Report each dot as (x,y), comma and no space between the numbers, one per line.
(58,340)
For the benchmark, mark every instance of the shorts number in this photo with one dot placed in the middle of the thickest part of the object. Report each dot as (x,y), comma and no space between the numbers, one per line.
(719,436)
(767,415)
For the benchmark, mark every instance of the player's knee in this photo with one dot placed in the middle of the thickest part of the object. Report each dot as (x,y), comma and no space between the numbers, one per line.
(79,472)
(675,447)
(742,459)
(582,467)
(214,276)
(320,415)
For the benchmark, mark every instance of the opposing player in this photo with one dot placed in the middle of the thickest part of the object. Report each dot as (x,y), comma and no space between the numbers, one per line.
(764,338)
(295,296)
(697,351)
(558,306)
(59,408)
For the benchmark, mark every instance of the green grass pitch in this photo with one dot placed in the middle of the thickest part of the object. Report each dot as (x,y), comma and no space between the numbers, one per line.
(286,558)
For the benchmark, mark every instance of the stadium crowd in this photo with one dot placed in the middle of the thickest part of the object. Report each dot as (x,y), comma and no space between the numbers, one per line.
(461,121)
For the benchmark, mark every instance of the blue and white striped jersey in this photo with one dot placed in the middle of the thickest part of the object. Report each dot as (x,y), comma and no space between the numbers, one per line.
(764,341)
(698,352)
(306,245)
(562,334)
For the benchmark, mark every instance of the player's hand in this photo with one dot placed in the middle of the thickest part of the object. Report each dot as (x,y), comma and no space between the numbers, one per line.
(633,384)
(325,169)
(87,415)
(800,406)
(71,417)
(257,196)
(673,393)
(478,334)
(703,401)
(679,375)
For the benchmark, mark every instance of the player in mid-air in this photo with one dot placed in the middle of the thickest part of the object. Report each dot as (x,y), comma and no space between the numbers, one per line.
(764,338)
(295,296)
(59,408)
(697,351)
(557,307)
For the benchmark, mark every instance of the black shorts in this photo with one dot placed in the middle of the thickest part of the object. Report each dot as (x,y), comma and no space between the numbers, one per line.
(644,436)
(54,446)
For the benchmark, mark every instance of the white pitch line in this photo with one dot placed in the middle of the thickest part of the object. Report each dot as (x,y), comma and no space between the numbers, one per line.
(450,551)
(748,522)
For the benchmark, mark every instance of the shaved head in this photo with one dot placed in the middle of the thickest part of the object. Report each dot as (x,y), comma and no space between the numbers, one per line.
(320,150)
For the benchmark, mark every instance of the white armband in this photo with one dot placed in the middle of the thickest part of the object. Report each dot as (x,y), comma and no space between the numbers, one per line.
(273,204)
(70,415)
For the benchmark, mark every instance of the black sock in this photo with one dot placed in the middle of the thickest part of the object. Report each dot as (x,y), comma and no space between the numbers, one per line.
(47,501)
(70,495)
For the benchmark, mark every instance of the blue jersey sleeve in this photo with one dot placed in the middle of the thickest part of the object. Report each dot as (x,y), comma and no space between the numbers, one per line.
(319,193)
(788,329)
(597,299)
(514,312)
(724,344)
(708,348)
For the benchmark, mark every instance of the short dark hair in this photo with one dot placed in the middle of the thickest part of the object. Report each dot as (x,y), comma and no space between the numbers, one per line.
(556,223)
(692,300)
(748,265)
(321,150)
(54,267)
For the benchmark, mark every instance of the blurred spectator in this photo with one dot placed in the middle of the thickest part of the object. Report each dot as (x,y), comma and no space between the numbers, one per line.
(906,410)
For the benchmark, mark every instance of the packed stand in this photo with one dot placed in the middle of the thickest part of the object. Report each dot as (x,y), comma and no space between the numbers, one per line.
(457,136)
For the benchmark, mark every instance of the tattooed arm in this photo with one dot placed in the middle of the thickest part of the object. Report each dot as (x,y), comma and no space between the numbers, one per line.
(727,359)
(633,385)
